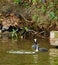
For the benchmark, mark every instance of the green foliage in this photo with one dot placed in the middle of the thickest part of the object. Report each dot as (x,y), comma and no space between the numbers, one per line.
(39,1)
(56,2)
(14,34)
(50,4)
(52,15)
(17,1)
(43,8)
(26,29)
(35,17)
(34,1)
(26,5)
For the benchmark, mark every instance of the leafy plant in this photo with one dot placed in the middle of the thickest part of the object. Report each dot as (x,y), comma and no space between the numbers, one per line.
(52,15)
(26,29)
(14,34)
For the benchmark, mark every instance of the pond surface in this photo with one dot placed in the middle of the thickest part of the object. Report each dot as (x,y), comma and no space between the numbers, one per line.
(40,58)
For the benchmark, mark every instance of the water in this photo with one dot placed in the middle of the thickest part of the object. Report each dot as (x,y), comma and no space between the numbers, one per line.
(40,58)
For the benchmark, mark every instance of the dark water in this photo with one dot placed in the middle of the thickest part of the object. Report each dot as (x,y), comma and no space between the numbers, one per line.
(40,58)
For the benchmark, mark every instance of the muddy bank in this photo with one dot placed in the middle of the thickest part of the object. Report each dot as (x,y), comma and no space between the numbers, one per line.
(18,16)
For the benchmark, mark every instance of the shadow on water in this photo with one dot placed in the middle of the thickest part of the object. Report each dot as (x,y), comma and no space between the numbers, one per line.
(40,58)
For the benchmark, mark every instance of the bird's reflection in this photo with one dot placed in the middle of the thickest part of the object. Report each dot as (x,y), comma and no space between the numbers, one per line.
(35,56)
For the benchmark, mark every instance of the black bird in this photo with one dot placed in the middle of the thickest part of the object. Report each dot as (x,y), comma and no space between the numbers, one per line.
(37,48)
